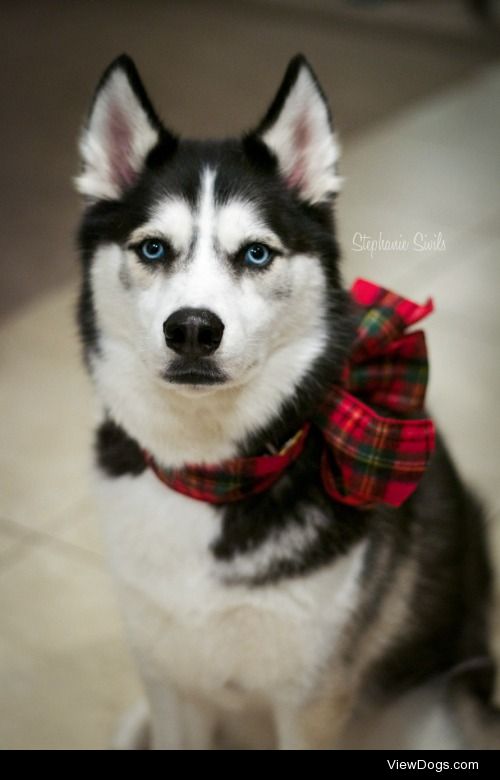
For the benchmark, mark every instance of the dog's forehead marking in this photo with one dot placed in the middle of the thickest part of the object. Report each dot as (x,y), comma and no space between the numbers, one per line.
(239,222)
(208,224)
(228,225)
(173,218)
(205,212)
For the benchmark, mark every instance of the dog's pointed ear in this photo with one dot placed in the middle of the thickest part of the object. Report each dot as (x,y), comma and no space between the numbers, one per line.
(298,130)
(121,131)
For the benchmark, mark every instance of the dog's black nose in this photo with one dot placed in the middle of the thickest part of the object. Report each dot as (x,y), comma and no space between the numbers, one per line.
(193,333)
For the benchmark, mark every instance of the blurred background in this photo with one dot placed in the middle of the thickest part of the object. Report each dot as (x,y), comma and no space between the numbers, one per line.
(415,91)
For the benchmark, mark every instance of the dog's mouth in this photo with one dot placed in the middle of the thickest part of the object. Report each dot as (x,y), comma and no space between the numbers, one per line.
(197,373)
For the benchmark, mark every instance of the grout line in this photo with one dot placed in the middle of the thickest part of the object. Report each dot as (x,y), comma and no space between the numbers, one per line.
(35,540)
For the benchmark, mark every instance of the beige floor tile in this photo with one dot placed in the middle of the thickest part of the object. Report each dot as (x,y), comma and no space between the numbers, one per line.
(65,673)
(488,227)
(463,398)
(35,490)
(466,289)
(12,536)
(46,413)
(79,526)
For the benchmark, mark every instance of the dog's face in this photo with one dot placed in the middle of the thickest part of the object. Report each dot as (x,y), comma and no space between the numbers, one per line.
(210,265)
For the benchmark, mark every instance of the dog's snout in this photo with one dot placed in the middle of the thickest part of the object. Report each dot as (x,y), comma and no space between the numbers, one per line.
(193,333)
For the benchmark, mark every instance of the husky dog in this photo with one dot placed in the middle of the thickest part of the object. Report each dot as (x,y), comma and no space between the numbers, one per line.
(214,320)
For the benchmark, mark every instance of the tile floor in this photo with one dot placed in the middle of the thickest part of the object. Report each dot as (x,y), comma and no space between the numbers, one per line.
(64,671)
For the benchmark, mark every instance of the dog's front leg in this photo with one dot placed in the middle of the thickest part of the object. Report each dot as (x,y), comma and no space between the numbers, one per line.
(289,732)
(317,724)
(178,722)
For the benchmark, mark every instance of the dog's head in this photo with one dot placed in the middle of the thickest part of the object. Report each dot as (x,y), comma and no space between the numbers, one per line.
(210,267)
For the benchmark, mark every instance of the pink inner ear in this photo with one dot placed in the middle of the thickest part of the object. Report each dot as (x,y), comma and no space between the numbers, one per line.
(120,148)
(301,141)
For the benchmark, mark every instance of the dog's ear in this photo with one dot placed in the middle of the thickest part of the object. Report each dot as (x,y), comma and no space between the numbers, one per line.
(298,130)
(121,131)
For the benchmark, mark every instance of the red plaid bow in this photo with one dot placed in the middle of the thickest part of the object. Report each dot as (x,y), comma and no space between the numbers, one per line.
(368,459)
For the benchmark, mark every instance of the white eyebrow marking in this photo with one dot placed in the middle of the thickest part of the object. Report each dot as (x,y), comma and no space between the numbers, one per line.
(205,216)
(238,223)
(171,219)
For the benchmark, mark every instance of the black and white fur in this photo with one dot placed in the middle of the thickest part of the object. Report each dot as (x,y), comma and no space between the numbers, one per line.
(285,604)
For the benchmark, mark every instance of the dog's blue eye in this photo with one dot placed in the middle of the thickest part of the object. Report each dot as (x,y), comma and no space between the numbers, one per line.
(152,249)
(257,255)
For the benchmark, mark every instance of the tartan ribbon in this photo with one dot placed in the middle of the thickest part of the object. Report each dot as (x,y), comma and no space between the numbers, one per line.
(233,479)
(368,458)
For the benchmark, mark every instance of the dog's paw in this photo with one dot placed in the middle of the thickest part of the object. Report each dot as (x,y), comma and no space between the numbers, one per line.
(133,731)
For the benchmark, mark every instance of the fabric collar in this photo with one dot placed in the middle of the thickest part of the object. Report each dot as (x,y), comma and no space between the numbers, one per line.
(368,459)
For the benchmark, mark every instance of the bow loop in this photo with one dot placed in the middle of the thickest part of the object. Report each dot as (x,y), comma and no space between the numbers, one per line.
(369,458)
(395,378)
(385,318)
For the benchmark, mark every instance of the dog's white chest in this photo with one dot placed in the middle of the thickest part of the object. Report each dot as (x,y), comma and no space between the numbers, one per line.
(230,642)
